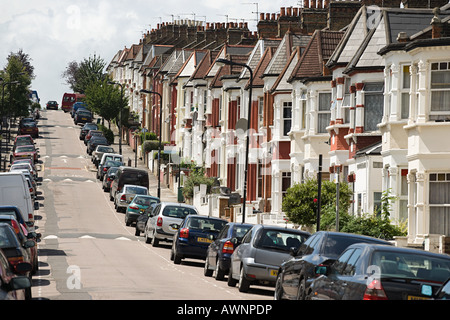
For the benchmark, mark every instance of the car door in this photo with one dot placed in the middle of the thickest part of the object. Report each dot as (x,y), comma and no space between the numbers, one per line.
(238,253)
(292,268)
(151,223)
(214,247)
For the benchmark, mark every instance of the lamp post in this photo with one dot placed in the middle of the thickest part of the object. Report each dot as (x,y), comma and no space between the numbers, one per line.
(249,114)
(120,114)
(160,136)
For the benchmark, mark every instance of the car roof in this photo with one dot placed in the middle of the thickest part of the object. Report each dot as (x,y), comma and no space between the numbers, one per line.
(134,185)
(375,246)
(165,203)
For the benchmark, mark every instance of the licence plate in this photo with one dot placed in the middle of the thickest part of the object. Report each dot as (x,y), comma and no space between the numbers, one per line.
(204,240)
(83,119)
(417,298)
(274,273)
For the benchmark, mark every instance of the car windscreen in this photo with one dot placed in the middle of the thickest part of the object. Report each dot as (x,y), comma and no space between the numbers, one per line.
(134,177)
(105,149)
(336,244)
(84,113)
(25,149)
(240,231)
(111,163)
(282,240)
(205,224)
(7,238)
(144,201)
(177,212)
(135,190)
(411,265)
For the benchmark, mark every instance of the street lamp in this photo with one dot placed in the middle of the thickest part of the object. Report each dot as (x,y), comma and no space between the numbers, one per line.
(229,62)
(160,134)
(120,114)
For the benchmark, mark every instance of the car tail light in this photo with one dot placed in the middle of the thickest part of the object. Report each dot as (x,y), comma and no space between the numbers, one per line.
(184,233)
(159,222)
(228,247)
(15,226)
(31,219)
(15,260)
(105,169)
(375,291)
(123,197)
(133,208)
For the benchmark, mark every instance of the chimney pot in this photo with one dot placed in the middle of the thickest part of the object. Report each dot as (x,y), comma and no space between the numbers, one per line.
(289,11)
(261,16)
(282,12)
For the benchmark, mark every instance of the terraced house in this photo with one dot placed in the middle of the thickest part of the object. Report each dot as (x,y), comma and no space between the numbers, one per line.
(360,84)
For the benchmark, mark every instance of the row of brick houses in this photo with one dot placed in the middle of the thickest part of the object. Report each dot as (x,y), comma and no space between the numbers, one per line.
(364,85)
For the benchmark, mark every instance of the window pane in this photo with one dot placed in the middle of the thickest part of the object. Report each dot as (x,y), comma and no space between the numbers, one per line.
(323,122)
(324,101)
(373,111)
(440,101)
(406,78)
(440,80)
(405,106)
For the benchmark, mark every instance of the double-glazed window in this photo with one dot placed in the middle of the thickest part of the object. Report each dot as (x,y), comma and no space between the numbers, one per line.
(440,90)
(373,105)
(406,85)
(439,199)
(287,117)
(323,112)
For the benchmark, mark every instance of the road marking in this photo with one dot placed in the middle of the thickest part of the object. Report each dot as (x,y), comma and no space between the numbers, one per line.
(51,237)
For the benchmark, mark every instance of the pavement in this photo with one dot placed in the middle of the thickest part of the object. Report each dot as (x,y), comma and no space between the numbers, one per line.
(129,158)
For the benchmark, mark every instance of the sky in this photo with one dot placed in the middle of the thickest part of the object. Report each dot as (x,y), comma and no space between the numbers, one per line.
(56,32)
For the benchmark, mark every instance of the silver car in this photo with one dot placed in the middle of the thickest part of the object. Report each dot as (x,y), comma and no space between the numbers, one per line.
(262,250)
(164,221)
(126,194)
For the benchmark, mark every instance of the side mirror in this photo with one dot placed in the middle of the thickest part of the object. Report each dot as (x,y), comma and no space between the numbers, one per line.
(19,283)
(29,244)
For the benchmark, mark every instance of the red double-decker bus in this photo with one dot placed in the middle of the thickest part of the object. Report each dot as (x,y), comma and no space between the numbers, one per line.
(69,99)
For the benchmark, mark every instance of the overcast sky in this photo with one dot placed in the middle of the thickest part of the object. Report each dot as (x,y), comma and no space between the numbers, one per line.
(55,32)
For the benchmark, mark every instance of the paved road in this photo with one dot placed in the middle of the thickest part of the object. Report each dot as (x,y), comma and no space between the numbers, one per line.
(87,252)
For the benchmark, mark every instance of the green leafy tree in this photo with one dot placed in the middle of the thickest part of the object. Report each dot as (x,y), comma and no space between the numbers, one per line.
(81,75)
(15,95)
(300,205)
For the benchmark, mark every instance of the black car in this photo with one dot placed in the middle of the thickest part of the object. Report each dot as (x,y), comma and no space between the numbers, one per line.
(52,105)
(94,142)
(143,218)
(296,274)
(108,178)
(194,236)
(218,256)
(377,272)
(102,169)
(86,128)
(82,116)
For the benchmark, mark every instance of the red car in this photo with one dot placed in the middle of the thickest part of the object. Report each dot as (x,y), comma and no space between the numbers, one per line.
(28,151)
(23,140)
(29,128)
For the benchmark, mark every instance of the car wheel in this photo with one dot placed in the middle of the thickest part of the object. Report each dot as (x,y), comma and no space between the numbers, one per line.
(155,241)
(206,270)
(176,258)
(301,289)
(147,238)
(244,284)
(219,273)
(137,232)
(127,222)
(278,295)
(231,282)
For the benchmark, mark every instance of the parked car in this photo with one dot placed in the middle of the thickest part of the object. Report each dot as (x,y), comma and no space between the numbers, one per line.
(101,171)
(14,192)
(194,236)
(218,255)
(109,156)
(141,221)
(128,175)
(86,128)
(23,140)
(165,220)
(97,154)
(108,178)
(14,251)
(24,165)
(82,116)
(17,214)
(377,272)
(76,106)
(91,133)
(52,105)
(30,162)
(126,194)
(94,142)
(263,249)
(137,207)
(22,235)
(12,283)
(28,151)
(296,274)
(30,128)
(31,182)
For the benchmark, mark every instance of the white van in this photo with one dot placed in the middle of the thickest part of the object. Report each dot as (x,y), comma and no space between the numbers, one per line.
(14,192)
(110,156)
